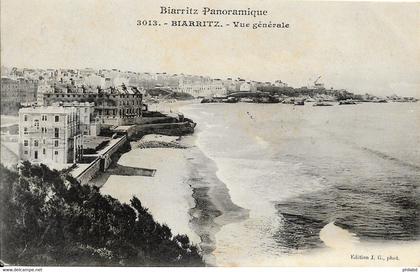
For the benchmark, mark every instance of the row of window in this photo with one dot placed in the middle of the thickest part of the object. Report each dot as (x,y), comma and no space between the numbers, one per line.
(36,153)
(43,118)
(121,111)
(44,130)
(123,103)
(84,95)
(36,142)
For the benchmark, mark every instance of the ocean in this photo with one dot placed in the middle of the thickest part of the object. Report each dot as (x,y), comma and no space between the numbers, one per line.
(290,171)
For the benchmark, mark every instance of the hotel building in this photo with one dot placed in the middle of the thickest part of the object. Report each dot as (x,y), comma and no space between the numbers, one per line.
(50,135)
(113,106)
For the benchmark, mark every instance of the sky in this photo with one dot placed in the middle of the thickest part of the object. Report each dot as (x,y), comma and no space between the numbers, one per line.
(359,46)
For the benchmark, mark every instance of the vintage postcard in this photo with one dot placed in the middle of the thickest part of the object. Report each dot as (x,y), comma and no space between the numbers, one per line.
(140,133)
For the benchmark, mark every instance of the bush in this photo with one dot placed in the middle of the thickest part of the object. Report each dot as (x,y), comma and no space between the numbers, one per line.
(51,219)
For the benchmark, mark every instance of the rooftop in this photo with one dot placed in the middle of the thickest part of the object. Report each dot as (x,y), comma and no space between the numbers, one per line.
(47,109)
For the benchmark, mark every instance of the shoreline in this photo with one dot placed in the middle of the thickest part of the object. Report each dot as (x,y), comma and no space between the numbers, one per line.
(203,205)
(213,206)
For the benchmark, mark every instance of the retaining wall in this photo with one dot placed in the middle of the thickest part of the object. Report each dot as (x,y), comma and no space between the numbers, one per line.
(106,156)
(102,162)
(90,172)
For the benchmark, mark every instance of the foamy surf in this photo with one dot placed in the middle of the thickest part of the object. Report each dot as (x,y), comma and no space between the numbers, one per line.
(310,176)
(337,238)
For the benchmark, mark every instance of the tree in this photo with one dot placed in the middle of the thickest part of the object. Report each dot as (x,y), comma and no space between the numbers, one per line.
(49,218)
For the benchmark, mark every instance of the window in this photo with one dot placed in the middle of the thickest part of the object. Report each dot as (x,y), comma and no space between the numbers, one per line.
(25,152)
(25,143)
(56,118)
(55,152)
(25,130)
(35,142)
(56,143)
(36,155)
(25,117)
(36,123)
(43,151)
(44,118)
(56,132)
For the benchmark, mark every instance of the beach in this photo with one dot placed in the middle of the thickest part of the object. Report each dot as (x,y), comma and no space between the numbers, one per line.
(167,194)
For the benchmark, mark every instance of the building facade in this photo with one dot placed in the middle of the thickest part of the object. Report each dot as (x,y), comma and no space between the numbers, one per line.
(89,124)
(50,135)
(247,87)
(113,106)
(202,87)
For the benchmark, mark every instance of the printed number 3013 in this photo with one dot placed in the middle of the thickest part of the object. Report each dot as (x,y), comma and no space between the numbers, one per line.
(147,23)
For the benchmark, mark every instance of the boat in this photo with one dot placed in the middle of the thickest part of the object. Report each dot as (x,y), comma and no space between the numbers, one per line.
(299,103)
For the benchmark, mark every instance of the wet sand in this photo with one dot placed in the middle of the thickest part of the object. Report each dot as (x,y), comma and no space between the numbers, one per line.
(213,206)
(184,192)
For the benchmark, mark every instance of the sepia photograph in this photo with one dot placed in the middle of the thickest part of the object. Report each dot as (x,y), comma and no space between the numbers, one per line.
(217,134)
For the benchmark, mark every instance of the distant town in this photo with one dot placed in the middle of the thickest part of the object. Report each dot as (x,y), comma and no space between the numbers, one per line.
(79,117)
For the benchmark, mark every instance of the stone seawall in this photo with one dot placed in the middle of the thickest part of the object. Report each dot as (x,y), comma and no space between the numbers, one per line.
(170,129)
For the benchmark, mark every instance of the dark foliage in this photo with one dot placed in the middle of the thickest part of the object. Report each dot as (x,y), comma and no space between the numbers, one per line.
(51,219)
(168,94)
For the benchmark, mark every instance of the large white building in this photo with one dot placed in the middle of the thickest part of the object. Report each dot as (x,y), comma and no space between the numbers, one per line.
(50,135)
(203,87)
